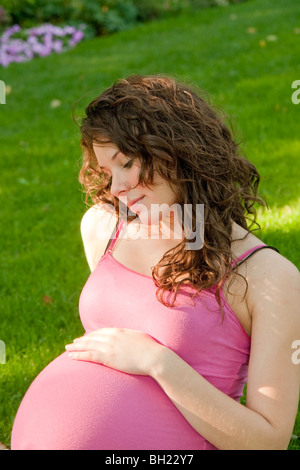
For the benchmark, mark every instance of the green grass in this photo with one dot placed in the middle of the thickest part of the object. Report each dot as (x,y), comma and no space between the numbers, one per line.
(41,200)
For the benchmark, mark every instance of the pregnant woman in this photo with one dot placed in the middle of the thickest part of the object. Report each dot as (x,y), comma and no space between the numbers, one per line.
(183,306)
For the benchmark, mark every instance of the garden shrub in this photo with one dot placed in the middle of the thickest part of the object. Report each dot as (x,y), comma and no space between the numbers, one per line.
(102,16)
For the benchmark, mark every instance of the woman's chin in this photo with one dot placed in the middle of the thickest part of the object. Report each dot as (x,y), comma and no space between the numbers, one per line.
(148,217)
(144,218)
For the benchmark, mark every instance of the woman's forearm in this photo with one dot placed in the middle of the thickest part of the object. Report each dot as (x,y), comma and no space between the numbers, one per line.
(221,420)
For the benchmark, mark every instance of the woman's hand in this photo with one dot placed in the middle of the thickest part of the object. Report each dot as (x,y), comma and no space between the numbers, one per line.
(126,350)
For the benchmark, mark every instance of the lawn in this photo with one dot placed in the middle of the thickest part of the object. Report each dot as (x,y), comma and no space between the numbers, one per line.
(244,56)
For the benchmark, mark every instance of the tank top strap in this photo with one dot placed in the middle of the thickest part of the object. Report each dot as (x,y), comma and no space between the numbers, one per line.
(240,259)
(114,236)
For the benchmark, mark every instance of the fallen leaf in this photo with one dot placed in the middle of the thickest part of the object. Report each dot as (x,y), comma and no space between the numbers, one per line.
(47,299)
(287,210)
(262,43)
(251,30)
(55,103)
(272,38)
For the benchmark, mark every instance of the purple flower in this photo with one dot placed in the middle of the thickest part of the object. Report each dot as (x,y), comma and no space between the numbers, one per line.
(77,36)
(4,59)
(69,29)
(57,46)
(40,41)
(45,51)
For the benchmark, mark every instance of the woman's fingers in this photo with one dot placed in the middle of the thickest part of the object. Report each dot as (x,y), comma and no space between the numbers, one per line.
(126,350)
(84,345)
(89,356)
(86,349)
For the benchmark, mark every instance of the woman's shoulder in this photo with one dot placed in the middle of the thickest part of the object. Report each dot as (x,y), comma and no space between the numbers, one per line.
(97,224)
(266,269)
(100,212)
(270,276)
(268,260)
(244,242)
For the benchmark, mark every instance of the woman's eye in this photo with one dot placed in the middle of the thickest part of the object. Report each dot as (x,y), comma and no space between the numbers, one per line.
(128,164)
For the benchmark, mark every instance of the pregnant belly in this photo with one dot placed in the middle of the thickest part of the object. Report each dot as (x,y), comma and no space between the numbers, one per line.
(80,405)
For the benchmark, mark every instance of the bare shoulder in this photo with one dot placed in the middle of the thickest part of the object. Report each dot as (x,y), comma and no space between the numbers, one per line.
(266,266)
(271,280)
(272,276)
(270,269)
(96,227)
(97,213)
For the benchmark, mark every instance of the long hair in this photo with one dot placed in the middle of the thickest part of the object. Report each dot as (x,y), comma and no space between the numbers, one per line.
(172,130)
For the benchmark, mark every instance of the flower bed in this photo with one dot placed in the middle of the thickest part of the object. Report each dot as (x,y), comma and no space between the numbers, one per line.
(17,45)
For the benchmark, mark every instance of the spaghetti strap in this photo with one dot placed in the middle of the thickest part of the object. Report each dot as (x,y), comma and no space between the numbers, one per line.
(114,236)
(251,252)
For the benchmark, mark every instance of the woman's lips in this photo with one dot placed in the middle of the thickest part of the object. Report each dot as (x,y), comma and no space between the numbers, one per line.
(135,202)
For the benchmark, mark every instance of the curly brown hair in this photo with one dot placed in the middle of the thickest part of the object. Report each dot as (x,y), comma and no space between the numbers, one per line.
(171,129)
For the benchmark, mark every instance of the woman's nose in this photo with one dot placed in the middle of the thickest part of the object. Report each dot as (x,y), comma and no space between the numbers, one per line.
(119,185)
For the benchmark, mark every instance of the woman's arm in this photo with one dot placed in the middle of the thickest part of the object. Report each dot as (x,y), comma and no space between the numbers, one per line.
(267,420)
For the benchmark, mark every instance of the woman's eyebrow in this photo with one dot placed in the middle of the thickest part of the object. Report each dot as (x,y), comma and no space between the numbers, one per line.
(115,155)
(112,159)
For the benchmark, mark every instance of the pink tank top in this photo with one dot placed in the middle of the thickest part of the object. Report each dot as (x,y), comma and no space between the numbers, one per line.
(83,405)
(219,350)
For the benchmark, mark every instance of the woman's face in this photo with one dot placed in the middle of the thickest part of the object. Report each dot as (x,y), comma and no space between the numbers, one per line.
(151,204)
